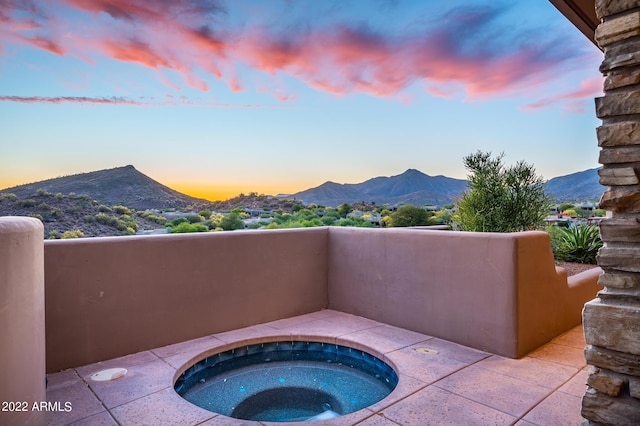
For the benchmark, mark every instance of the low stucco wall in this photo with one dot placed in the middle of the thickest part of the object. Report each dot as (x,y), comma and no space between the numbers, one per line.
(496,292)
(22,320)
(108,297)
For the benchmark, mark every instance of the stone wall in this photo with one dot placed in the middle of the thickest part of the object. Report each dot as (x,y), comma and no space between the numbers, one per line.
(612,321)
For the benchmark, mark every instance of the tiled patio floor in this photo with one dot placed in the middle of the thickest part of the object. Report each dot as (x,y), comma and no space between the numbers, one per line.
(457,386)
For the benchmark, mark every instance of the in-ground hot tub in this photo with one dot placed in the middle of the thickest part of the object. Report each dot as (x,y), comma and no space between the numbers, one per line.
(287,381)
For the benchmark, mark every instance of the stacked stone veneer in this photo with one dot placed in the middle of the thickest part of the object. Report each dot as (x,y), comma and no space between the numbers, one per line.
(612,321)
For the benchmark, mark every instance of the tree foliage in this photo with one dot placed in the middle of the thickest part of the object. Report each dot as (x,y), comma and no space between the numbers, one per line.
(410,215)
(501,198)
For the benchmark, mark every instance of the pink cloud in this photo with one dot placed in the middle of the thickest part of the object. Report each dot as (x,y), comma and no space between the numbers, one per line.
(458,53)
(588,90)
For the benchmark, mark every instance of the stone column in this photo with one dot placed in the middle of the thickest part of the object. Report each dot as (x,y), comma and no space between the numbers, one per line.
(612,320)
(22,339)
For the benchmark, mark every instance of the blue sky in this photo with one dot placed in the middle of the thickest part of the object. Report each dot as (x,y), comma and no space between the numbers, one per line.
(215,98)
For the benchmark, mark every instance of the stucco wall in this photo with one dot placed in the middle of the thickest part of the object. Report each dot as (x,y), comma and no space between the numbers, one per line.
(22,320)
(495,292)
(108,297)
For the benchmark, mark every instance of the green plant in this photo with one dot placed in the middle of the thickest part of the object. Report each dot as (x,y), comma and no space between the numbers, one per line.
(186,227)
(579,245)
(122,210)
(27,203)
(410,215)
(76,233)
(500,198)
(231,222)
(9,196)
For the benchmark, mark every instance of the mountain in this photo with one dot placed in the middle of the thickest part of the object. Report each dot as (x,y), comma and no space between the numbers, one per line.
(412,187)
(580,186)
(415,187)
(118,186)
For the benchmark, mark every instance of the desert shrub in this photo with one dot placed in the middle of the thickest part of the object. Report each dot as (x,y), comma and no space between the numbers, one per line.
(501,198)
(178,221)
(9,196)
(205,213)
(53,234)
(356,221)
(37,216)
(105,209)
(186,227)
(160,220)
(194,218)
(599,213)
(579,245)
(59,195)
(89,219)
(76,233)
(231,222)
(56,213)
(410,215)
(43,206)
(122,210)
(107,220)
(27,203)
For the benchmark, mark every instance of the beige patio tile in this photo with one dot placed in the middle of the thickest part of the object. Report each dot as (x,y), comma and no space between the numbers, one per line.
(83,403)
(573,338)
(558,409)
(577,386)
(247,333)
(426,368)
(495,390)
(562,354)
(406,386)
(160,408)
(190,346)
(139,381)
(291,322)
(377,420)
(455,351)
(532,370)
(385,338)
(100,419)
(120,362)
(62,378)
(321,327)
(433,406)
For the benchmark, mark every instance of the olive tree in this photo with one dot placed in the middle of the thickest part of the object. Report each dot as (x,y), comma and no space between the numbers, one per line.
(501,198)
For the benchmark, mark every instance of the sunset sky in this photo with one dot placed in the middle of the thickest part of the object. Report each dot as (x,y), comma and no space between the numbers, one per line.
(214,98)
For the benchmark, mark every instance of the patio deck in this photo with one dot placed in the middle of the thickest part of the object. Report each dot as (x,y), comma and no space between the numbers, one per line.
(458,385)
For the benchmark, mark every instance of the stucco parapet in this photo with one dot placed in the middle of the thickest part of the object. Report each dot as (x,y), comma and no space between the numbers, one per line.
(19,225)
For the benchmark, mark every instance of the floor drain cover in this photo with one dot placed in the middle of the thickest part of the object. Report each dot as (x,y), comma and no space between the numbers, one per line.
(110,374)
(426,351)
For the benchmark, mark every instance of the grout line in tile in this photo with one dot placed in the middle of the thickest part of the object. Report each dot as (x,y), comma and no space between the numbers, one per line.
(557,389)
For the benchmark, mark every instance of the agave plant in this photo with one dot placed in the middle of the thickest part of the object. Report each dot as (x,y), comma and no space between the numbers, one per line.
(580,244)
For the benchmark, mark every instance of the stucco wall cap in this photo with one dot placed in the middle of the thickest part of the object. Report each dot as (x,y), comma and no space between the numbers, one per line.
(19,224)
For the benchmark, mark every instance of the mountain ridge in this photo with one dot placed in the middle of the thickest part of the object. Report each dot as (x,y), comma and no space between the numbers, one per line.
(127,186)
(123,185)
